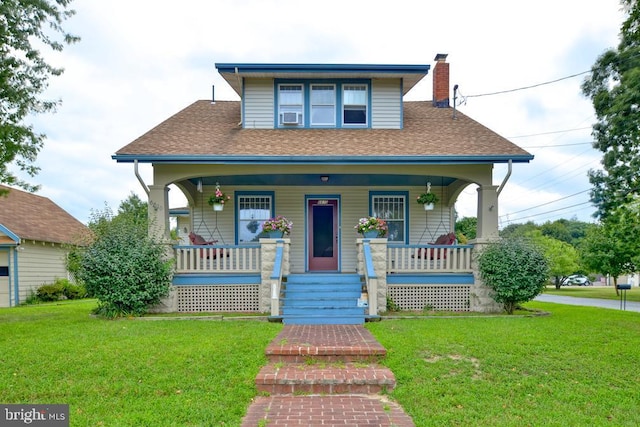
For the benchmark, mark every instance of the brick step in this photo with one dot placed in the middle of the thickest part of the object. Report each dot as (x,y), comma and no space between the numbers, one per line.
(325,378)
(305,353)
(327,343)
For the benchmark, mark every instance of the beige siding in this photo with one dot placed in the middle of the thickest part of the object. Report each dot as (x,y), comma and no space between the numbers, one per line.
(354,204)
(258,104)
(39,263)
(386,104)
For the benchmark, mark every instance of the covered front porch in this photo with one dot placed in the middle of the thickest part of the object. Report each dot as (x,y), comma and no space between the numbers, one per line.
(228,278)
(324,202)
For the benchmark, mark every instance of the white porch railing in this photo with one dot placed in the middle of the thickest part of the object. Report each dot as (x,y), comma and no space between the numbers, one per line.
(217,259)
(429,258)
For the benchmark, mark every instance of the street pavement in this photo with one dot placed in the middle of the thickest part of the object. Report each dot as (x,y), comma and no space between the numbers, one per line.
(590,302)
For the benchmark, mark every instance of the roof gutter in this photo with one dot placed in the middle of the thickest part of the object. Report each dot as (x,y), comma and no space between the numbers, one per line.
(506,178)
(135,170)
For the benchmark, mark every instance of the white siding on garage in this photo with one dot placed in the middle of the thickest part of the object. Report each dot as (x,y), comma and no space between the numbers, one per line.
(39,263)
(425,227)
(386,104)
(258,104)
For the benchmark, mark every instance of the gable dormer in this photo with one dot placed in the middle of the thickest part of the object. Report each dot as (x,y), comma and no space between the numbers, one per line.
(321,96)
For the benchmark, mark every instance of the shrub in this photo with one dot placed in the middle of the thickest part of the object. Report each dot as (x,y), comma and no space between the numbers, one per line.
(73,291)
(123,268)
(50,292)
(515,270)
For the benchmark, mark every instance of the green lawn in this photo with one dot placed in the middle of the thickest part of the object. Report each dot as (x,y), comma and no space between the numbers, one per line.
(131,372)
(577,366)
(604,292)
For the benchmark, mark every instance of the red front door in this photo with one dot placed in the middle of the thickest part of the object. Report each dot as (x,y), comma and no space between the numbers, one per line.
(322,234)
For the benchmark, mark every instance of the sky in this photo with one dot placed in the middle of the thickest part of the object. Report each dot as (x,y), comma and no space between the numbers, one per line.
(139,62)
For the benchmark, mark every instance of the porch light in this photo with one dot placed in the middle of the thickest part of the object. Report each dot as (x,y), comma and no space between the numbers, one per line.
(324,178)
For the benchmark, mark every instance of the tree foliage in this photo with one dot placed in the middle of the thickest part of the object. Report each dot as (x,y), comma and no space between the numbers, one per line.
(516,271)
(123,267)
(24,76)
(614,88)
(468,227)
(613,247)
(562,258)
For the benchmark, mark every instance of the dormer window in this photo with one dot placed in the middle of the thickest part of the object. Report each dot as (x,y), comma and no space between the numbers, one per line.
(323,105)
(354,104)
(290,109)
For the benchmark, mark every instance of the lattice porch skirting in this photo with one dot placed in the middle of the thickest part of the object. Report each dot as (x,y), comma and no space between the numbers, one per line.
(434,297)
(218,298)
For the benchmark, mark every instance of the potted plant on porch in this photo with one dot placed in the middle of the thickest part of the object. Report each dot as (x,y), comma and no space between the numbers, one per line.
(372,227)
(218,199)
(428,200)
(277,227)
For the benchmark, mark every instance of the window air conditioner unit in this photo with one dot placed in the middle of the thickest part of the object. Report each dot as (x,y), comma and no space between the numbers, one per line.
(290,118)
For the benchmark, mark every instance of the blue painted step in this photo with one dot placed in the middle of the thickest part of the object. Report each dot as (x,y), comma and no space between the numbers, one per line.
(322,299)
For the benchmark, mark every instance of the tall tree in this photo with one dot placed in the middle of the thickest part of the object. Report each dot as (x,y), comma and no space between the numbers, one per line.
(562,258)
(614,88)
(24,74)
(613,247)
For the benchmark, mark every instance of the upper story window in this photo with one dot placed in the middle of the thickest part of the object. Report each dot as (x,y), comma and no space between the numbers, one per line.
(354,104)
(290,108)
(323,105)
(327,103)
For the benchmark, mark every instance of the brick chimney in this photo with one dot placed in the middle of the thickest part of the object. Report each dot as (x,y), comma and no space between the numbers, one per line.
(441,81)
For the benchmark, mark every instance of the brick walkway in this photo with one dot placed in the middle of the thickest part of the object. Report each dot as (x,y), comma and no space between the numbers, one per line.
(325,375)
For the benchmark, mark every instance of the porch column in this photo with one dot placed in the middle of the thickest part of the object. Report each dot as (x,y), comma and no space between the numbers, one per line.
(158,212)
(487,212)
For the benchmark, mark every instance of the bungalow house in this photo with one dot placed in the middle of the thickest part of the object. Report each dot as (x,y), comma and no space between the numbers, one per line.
(324,145)
(33,234)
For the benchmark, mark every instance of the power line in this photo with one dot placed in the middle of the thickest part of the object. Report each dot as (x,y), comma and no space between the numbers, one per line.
(557,145)
(547,203)
(548,133)
(527,87)
(547,212)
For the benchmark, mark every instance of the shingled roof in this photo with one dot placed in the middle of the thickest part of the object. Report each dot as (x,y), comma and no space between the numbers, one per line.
(212,130)
(33,217)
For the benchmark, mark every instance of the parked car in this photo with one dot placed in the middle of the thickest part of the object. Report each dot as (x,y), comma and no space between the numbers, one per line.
(576,280)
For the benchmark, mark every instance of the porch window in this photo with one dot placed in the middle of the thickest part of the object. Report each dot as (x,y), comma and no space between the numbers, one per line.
(290,101)
(391,208)
(354,104)
(253,210)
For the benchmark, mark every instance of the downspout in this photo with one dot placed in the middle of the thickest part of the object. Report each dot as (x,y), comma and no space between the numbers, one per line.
(135,170)
(506,178)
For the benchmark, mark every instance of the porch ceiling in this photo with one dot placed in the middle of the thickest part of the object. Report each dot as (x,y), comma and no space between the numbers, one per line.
(334,180)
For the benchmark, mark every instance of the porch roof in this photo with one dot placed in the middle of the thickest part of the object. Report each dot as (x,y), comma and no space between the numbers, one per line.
(206,132)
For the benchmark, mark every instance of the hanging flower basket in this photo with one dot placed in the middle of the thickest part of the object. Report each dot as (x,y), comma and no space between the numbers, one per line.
(428,200)
(218,199)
